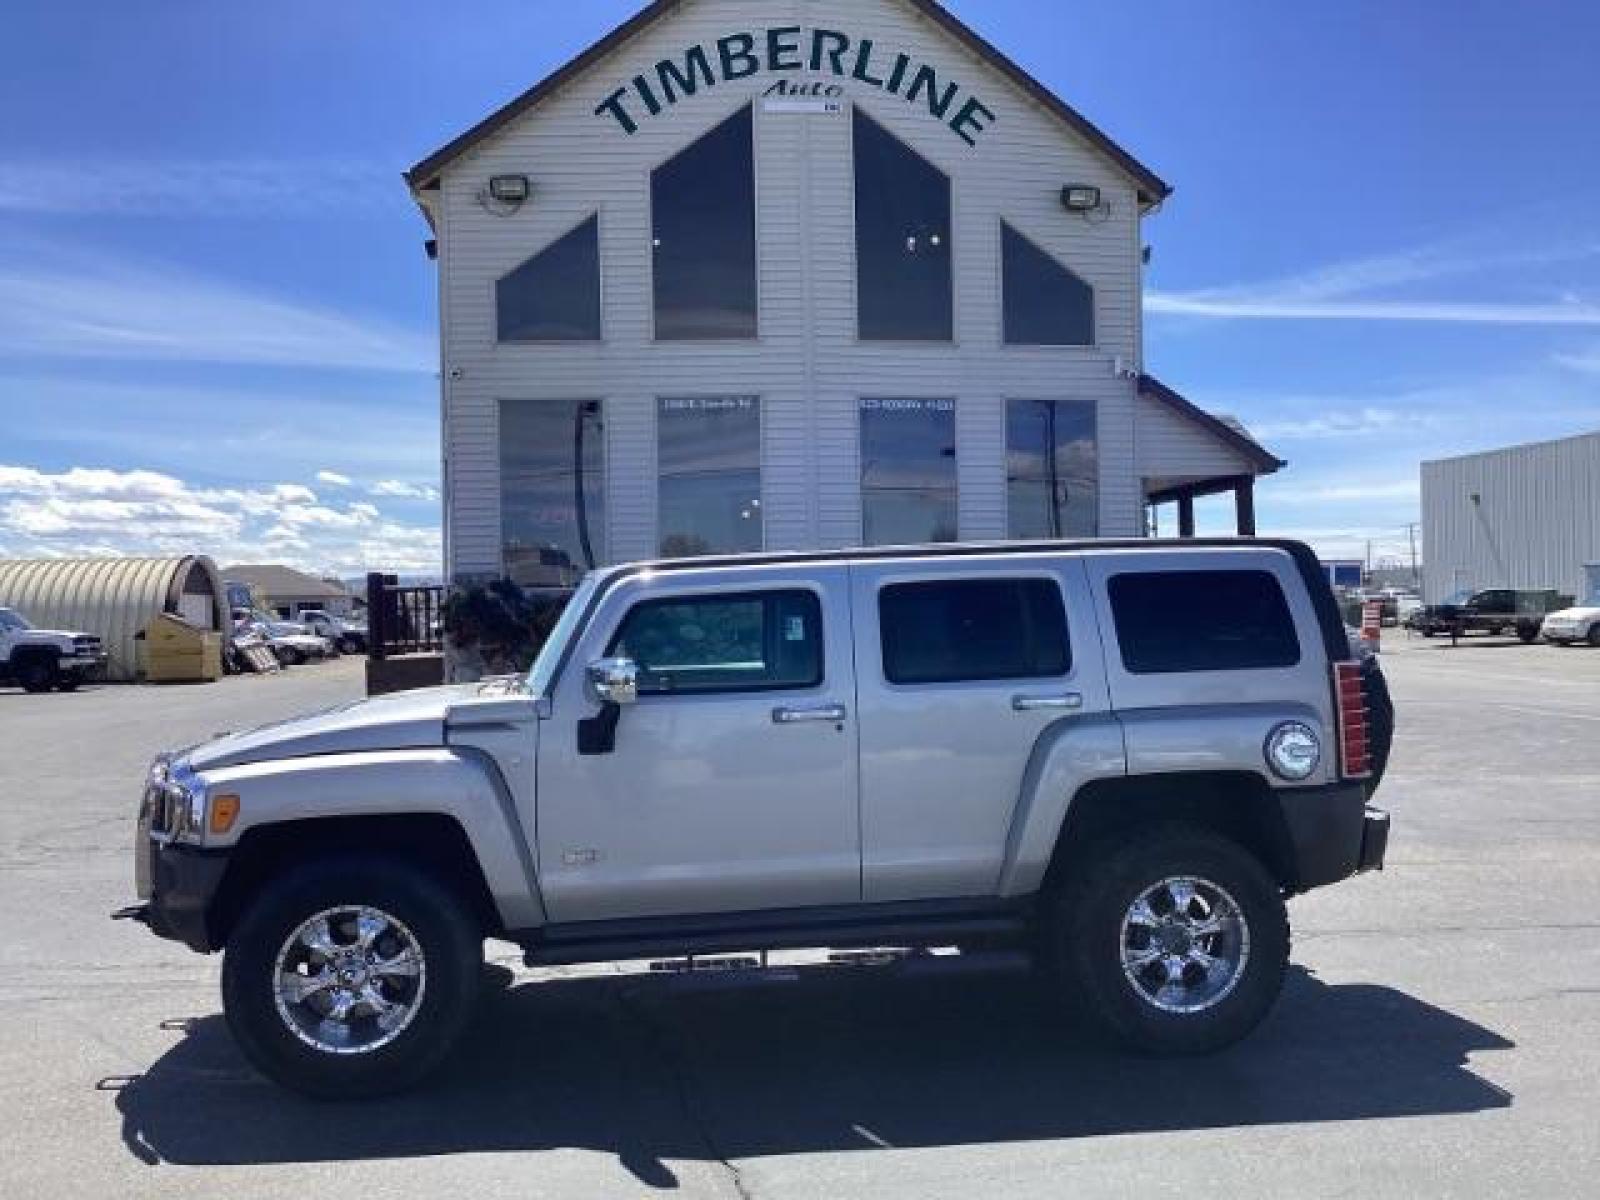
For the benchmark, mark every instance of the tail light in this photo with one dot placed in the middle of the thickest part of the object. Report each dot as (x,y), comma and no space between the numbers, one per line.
(1350,700)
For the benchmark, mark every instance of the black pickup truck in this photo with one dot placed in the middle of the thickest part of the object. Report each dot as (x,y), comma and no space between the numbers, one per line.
(1495,611)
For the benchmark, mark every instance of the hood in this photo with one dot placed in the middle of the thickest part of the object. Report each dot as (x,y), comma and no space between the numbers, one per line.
(403,721)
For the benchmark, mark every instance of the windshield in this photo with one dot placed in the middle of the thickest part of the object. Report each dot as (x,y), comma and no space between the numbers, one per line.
(1460,597)
(544,667)
(10,620)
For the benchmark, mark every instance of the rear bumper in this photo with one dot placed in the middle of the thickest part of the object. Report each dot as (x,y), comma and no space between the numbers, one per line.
(1333,833)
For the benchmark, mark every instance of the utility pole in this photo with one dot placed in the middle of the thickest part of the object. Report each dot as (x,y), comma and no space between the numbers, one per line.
(1411,535)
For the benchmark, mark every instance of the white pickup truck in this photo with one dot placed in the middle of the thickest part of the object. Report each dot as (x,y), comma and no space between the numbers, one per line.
(41,659)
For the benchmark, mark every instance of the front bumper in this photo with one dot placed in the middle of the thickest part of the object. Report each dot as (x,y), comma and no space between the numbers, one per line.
(1333,833)
(178,884)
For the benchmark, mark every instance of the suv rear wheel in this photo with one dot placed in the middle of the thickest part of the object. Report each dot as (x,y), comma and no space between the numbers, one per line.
(351,977)
(1173,941)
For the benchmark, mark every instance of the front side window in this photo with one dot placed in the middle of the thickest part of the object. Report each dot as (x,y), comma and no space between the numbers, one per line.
(1052,469)
(703,209)
(968,630)
(724,643)
(710,468)
(904,289)
(908,471)
(552,493)
(1172,621)
(555,295)
(1045,304)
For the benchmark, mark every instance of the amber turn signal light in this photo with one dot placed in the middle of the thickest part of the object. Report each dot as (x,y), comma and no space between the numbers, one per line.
(224,812)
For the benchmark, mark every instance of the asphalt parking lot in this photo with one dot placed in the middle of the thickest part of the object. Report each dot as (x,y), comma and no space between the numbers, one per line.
(1440,1035)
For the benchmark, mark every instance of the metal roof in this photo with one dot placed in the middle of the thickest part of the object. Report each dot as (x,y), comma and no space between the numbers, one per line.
(1152,188)
(114,598)
(272,581)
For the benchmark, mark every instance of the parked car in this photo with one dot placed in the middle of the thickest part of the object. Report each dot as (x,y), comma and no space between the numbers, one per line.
(1493,611)
(290,642)
(38,660)
(350,637)
(1579,624)
(1121,757)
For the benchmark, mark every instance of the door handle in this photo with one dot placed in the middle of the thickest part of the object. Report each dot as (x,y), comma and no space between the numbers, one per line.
(1070,702)
(829,714)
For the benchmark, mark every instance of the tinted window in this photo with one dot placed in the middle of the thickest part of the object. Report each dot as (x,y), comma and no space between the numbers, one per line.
(903,283)
(703,204)
(1202,621)
(555,295)
(1045,304)
(908,471)
(949,632)
(729,643)
(1052,469)
(552,490)
(710,465)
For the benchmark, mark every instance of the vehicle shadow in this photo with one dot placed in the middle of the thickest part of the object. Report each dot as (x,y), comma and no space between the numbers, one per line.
(656,1069)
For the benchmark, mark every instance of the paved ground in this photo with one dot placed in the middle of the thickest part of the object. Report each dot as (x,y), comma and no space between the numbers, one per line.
(1441,1037)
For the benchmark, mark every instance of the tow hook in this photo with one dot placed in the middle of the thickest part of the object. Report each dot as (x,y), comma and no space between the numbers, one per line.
(134,912)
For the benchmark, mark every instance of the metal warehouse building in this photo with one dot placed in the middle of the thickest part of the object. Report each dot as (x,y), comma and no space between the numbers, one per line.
(114,598)
(797,274)
(1523,517)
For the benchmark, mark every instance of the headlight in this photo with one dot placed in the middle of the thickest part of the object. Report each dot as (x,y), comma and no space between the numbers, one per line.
(187,804)
(1293,751)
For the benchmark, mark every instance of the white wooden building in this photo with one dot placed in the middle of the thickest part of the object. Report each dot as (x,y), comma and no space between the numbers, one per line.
(794,274)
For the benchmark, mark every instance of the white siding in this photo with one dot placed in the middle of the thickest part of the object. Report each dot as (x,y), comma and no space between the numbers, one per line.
(807,367)
(1535,524)
(1171,445)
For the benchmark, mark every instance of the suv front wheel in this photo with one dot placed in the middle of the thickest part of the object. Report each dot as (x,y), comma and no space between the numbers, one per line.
(351,977)
(1173,941)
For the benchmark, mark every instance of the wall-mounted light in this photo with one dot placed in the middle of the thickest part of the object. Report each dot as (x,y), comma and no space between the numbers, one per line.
(1080,197)
(512,190)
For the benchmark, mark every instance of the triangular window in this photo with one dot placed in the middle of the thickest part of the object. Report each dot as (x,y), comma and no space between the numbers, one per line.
(1045,303)
(555,295)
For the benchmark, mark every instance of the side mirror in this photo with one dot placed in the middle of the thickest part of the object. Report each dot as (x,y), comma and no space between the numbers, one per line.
(615,681)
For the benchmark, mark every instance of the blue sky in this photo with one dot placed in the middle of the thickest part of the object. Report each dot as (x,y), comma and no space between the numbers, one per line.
(217,326)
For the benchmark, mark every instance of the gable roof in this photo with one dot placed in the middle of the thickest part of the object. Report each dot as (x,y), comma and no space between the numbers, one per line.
(273,580)
(1226,430)
(1152,188)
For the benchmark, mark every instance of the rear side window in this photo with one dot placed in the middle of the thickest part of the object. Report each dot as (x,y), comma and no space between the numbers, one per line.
(955,632)
(1170,621)
(724,643)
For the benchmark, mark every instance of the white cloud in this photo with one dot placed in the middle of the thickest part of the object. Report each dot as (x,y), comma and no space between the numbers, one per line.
(1588,363)
(1339,493)
(92,511)
(399,489)
(1351,291)
(334,479)
(199,187)
(71,305)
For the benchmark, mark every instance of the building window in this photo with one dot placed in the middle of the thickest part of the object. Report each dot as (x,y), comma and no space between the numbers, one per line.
(1045,304)
(555,295)
(1224,621)
(903,279)
(908,471)
(710,470)
(703,206)
(699,645)
(552,490)
(1052,469)
(964,631)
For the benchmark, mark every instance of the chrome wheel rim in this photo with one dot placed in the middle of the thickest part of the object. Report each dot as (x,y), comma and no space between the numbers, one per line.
(1184,944)
(349,980)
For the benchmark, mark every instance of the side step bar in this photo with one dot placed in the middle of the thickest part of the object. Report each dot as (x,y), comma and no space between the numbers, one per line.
(899,925)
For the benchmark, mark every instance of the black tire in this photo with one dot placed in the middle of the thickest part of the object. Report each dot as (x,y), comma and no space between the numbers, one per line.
(1528,633)
(69,683)
(451,943)
(1594,635)
(1083,939)
(349,645)
(37,673)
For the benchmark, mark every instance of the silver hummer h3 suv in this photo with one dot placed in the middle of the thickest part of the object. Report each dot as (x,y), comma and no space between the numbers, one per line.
(1122,757)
